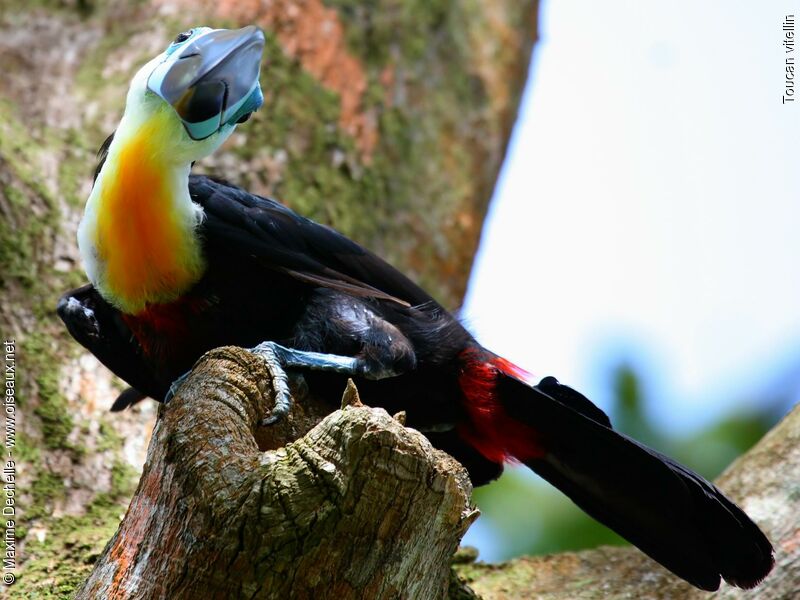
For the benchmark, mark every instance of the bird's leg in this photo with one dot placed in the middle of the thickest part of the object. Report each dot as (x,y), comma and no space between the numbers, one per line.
(280,383)
(353,339)
(278,358)
(436,427)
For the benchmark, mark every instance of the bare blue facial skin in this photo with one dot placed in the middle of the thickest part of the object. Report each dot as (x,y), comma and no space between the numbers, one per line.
(210,77)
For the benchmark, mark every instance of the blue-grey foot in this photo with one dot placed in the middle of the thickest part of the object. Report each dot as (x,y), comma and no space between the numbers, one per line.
(173,388)
(279,357)
(280,381)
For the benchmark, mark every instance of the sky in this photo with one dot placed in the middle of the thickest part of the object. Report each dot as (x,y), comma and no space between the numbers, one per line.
(648,210)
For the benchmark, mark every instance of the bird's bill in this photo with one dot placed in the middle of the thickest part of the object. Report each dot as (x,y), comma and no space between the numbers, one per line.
(213,80)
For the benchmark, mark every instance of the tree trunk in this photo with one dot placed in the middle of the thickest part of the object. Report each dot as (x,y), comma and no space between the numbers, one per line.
(359,507)
(386,119)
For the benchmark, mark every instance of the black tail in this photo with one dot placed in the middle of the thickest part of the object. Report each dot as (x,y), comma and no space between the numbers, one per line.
(672,514)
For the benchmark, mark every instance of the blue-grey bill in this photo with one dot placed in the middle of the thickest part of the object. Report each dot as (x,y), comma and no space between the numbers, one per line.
(213,80)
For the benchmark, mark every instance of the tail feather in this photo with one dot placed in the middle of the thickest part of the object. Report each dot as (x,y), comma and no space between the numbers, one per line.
(672,514)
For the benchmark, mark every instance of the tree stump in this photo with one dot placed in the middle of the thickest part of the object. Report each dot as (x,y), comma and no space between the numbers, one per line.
(357,506)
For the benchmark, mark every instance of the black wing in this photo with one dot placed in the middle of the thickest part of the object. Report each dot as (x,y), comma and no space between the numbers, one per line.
(99,328)
(238,222)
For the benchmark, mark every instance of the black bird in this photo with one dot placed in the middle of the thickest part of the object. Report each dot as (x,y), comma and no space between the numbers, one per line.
(180,264)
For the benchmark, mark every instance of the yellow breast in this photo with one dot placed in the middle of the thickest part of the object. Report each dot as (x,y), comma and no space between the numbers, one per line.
(145,235)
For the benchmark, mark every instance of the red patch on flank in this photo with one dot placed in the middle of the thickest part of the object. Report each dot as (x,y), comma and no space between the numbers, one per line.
(512,370)
(164,329)
(490,429)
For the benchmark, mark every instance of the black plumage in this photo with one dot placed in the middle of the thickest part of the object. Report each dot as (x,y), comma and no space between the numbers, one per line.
(271,274)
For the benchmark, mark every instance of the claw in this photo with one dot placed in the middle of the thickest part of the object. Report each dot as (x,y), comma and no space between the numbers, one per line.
(173,388)
(279,357)
(280,382)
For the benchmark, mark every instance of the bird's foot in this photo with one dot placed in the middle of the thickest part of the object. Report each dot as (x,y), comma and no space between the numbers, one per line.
(173,388)
(278,358)
(280,381)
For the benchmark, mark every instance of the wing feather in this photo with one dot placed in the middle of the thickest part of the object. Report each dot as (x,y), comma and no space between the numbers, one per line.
(250,225)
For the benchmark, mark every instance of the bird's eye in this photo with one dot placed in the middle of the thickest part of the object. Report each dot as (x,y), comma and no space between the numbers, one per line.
(182,37)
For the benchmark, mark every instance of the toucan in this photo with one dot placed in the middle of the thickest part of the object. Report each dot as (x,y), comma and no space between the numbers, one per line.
(180,264)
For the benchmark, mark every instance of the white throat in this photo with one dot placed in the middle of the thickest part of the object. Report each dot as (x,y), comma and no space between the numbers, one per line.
(138,238)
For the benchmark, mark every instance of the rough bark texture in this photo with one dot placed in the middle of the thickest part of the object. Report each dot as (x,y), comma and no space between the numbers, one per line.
(765,482)
(353,509)
(386,119)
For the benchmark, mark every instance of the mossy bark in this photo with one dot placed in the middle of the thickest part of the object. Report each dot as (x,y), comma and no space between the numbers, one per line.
(352,509)
(387,119)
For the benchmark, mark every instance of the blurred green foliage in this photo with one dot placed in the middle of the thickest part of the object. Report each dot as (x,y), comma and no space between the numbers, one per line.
(524,515)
